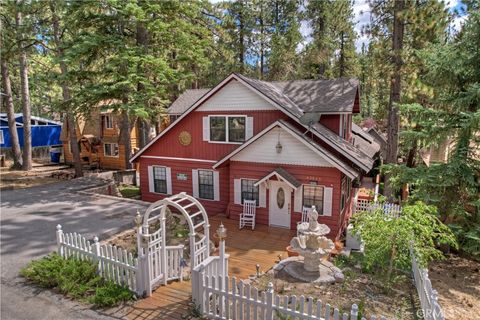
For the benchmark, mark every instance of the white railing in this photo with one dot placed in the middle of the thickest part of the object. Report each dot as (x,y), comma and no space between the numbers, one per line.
(390,209)
(114,264)
(428,296)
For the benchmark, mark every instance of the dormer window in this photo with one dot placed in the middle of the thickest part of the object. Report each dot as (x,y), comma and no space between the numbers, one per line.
(344,125)
(227,128)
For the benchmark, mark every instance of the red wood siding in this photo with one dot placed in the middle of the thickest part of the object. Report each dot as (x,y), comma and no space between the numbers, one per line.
(169,146)
(329,177)
(331,121)
(212,207)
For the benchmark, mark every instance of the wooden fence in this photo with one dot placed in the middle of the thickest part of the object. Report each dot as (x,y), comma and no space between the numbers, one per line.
(114,264)
(431,309)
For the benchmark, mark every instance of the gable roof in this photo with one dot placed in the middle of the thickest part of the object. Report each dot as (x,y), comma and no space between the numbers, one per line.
(185,100)
(282,174)
(274,95)
(321,96)
(324,153)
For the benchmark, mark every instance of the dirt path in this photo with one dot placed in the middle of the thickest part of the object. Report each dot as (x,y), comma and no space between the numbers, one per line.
(457,281)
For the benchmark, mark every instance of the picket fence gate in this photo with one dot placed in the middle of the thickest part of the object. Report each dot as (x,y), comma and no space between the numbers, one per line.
(114,264)
(428,296)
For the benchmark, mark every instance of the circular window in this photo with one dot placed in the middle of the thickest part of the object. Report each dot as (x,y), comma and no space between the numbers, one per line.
(280,198)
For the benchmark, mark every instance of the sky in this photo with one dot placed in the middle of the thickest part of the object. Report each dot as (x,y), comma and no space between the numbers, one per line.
(362,17)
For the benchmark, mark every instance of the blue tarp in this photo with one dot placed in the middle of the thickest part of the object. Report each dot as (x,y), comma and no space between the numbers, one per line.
(42,136)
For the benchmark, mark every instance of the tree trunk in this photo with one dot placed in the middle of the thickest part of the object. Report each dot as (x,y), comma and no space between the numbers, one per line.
(27,129)
(125,136)
(7,88)
(142,41)
(72,128)
(342,56)
(395,91)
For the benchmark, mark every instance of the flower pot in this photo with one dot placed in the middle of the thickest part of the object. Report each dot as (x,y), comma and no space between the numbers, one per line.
(291,252)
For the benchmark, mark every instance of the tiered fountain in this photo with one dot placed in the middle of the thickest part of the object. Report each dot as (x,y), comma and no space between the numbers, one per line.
(314,249)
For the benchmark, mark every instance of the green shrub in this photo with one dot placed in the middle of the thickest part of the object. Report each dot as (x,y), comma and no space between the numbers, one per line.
(76,279)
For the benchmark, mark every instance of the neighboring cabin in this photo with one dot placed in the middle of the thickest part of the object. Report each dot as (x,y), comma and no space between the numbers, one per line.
(45,133)
(243,139)
(98,139)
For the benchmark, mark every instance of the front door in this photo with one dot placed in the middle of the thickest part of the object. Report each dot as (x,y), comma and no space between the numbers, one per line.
(280,197)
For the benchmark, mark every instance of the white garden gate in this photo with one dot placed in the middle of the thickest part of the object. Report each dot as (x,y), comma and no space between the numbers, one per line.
(160,262)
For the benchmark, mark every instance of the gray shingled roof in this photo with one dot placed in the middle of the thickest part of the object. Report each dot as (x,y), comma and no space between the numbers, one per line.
(186,100)
(322,96)
(364,141)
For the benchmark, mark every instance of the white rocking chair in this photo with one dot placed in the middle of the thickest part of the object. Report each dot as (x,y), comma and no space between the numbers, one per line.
(305,211)
(247,217)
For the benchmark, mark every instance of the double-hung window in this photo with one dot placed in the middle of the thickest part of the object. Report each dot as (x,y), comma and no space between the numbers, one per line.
(205,184)
(110,149)
(159,179)
(227,128)
(249,191)
(108,121)
(313,196)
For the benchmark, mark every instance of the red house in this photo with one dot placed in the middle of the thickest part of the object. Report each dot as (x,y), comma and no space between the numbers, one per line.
(284,144)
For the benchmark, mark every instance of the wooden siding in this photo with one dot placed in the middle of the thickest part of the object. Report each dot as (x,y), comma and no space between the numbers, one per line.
(236,96)
(169,145)
(329,177)
(185,167)
(331,121)
(293,152)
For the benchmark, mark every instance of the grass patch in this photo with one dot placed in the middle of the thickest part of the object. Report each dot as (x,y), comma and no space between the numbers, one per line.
(128,191)
(76,279)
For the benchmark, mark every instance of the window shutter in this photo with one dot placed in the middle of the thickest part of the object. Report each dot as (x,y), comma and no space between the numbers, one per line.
(216,185)
(327,201)
(298,199)
(195,183)
(237,191)
(168,172)
(262,195)
(249,128)
(206,129)
(150,179)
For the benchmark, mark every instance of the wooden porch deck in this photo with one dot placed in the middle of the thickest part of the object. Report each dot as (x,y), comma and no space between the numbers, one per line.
(246,249)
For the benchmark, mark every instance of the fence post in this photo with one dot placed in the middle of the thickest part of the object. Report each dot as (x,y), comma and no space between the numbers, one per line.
(96,254)
(269,306)
(354,312)
(59,240)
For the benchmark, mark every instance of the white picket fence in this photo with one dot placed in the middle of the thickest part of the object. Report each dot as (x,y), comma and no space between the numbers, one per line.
(428,296)
(220,297)
(114,264)
(390,209)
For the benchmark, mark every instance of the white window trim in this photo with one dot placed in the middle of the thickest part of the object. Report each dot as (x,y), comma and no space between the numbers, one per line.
(215,187)
(105,117)
(241,191)
(2,139)
(167,178)
(109,156)
(226,128)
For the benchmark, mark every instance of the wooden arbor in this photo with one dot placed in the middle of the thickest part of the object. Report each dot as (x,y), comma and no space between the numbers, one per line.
(161,262)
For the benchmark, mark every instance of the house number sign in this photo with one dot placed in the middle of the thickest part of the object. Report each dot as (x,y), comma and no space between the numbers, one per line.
(182,176)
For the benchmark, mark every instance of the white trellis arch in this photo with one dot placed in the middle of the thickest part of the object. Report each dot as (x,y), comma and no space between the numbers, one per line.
(162,262)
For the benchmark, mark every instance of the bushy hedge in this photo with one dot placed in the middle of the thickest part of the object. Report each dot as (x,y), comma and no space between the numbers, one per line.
(76,279)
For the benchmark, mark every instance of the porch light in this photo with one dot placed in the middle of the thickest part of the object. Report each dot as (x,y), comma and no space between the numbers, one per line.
(221,232)
(279,147)
(138,219)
